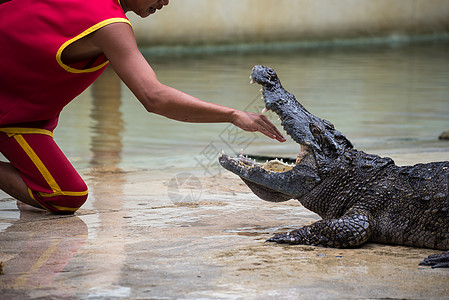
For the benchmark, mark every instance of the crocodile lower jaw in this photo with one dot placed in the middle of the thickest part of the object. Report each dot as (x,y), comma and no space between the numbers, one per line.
(276,165)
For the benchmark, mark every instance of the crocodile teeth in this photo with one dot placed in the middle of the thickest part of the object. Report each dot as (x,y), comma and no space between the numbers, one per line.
(304,151)
(264,110)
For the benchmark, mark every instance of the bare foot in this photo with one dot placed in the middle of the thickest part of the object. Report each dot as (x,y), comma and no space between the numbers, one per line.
(23,207)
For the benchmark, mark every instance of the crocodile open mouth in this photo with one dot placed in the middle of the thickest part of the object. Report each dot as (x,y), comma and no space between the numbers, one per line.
(269,180)
(272,165)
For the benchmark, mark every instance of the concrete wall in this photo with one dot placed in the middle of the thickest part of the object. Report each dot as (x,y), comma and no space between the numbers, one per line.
(193,22)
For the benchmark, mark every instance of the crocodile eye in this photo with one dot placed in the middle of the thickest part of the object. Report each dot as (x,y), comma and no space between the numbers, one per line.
(271,73)
(328,124)
(316,130)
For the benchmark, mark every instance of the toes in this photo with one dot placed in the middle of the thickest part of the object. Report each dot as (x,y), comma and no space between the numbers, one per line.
(283,238)
(441,265)
(437,260)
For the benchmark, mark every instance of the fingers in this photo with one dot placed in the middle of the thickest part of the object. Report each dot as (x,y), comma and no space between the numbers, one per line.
(270,130)
(258,122)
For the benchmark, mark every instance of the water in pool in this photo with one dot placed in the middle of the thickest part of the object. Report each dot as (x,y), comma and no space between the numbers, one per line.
(386,100)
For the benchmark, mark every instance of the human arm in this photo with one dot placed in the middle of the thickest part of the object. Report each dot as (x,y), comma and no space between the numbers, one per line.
(117,42)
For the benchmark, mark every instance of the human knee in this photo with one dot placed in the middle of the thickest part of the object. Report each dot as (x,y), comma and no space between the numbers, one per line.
(62,201)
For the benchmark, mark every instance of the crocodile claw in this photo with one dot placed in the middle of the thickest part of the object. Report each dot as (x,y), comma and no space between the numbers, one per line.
(284,238)
(437,260)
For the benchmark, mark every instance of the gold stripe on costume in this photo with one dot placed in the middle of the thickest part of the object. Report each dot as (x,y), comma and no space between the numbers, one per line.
(37,161)
(17,134)
(61,208)
(30,192)
(64,193)
(22,130)
(80,36)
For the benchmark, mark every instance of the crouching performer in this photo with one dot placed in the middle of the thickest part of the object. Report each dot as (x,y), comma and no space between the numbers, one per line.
(51,51)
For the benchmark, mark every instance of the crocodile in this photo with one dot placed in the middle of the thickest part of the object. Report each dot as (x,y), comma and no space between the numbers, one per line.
(360,197)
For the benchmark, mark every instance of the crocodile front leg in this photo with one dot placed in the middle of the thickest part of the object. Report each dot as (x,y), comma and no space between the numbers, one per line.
(353,229)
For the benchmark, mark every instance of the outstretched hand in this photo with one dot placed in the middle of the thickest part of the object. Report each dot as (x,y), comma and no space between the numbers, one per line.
(257,122)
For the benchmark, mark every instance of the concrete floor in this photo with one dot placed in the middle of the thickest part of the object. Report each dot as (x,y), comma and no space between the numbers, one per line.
(143,235)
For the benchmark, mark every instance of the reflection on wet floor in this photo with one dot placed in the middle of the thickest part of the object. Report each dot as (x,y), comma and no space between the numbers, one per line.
(107,121)
(106,196)
(34,255)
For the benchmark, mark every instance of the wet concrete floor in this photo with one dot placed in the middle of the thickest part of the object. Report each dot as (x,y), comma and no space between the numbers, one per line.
(148,235)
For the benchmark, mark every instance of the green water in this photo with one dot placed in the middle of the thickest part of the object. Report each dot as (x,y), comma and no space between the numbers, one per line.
(387,100)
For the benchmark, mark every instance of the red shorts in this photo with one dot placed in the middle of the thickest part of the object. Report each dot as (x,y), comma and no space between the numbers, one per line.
(51,179)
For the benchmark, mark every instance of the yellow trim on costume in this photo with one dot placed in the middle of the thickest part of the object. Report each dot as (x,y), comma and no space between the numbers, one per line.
(62,208)
(16,130)
(44,171)
(37,161)
(80,36)
(63,193)
(18,133)
(30,192)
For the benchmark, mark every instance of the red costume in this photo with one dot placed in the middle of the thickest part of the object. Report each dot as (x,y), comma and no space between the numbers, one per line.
(35,85)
